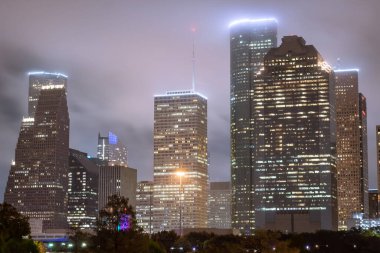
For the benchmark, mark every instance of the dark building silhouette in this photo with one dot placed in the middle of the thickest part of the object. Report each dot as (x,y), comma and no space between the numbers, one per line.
(219,205)
(82,191)
(37,183)
(294,140)
(373,209)
(250,40)
(352,158)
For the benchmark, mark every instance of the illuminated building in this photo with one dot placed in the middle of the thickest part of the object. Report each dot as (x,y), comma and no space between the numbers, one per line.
(82,208)
(117,179)
(110,148)
(352,167)
(180,161)
(36,81)
(294,140)
(219,205)
(373,203)
(378,155)
(144,205)
(250,40)
(37,183)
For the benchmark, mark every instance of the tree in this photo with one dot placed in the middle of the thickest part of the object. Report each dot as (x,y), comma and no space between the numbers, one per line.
(13,227)
(117,230)
(166,239)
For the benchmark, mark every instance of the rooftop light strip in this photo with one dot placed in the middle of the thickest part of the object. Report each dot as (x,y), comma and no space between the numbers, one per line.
(253,21)
(346,70)
(46,73)
(180,93)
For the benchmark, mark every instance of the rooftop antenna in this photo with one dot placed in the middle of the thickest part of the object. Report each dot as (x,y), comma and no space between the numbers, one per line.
(193,30)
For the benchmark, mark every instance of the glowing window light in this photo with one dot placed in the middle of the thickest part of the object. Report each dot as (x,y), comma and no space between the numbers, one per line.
(346,70)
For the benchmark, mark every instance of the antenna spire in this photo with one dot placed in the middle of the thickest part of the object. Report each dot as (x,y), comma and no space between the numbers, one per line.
(193,59)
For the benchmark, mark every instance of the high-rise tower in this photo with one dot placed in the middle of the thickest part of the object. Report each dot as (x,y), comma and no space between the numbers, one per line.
(82,191)
(250,40)
(294,140)
(352,167)
(37,183)
(110,148)
(180,161)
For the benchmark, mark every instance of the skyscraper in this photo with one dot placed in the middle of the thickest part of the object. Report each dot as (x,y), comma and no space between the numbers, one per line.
(82,191)
(37,183)
(378,155)
(373,203)
(352,167)
(219,205)
(250,40)
(110,148)
(36,81)
(144,206)
(180,161)
(294,140)
(117,179)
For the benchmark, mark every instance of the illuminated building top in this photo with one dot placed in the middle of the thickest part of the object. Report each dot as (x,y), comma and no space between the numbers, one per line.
(32,73)
(251,21)
(180,93)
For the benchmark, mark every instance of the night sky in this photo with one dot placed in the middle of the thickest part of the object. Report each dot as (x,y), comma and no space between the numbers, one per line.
(119,54)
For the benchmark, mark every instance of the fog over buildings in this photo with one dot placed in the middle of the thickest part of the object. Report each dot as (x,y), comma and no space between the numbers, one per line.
(118,55)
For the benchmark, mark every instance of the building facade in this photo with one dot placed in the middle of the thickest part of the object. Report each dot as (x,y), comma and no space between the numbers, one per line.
(37,183)
(180,161)
(144,206)
(219,205)
(378,155)
(373,204)
(352,165)
(294,140)
(117,179)
(110,148)
(250,40)
(82,208)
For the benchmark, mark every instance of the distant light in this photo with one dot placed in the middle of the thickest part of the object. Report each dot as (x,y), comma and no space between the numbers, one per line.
(112,138)
(346,70)
(193,29)
(247,20)
(70,245)
(50,245)
(46,73)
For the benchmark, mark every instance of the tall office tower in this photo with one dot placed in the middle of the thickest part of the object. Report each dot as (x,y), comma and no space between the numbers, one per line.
(82,207)
(294,140)
(180,161)
(352,167)
(219,205)
(378,156)
(36,81)
(112,150)
(144,205)
(250,40)
(117,179)
(373,203)
(37,183)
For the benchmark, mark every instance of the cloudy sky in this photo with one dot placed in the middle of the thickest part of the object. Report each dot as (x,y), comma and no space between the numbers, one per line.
(118,54)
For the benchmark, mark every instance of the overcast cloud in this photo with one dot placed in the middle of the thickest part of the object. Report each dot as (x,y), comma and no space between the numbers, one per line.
(118,54)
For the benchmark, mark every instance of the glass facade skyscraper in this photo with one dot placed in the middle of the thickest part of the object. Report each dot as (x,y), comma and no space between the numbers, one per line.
(180,161)
(219,205)
(111,149)
(352,166)
(37,183)
(294,140)
(250,40)
(82,191)
(144,205)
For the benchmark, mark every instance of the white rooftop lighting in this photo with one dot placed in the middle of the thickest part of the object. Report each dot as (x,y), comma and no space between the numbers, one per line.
(180,93)
(247,20)
(346,70)
(46,73)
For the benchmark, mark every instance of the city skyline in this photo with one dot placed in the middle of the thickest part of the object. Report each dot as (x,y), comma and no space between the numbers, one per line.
(37,54)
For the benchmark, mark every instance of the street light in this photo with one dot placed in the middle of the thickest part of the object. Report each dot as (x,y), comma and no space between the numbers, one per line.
(180,174)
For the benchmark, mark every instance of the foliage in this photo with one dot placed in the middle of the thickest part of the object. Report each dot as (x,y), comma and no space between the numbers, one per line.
(166,239)
(13,227)
(110,238)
